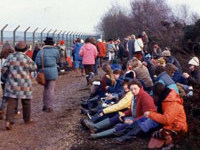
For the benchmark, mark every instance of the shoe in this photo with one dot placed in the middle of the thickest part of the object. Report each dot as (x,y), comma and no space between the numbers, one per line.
(8,126)
(84,111)
(49,110)
(29,122)
(90,125)
(1,114)
(44,108)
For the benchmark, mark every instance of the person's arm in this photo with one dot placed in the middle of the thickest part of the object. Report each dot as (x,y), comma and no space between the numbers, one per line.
(81,52)
(124,103)
(168,116)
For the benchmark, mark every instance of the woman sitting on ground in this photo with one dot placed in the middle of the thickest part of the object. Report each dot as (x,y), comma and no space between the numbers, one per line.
(171,114)
(141,103)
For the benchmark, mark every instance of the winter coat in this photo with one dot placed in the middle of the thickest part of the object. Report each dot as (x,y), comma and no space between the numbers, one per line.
(17,69)
(142,73)
(124,103)
(173,117)
(144,103)
(106,81)
(51,58)
(89,53)
(35,52)
(102,49)
(194,78)
(174,61)
(138,45)
(165,79)
(77,48)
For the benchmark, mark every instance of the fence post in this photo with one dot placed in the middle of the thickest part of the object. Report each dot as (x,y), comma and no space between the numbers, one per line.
(54,34)
(34,37)
(14,34)
(2,32)
(48,32)
(63,38)
(25,34)
(41,35)
(59,36)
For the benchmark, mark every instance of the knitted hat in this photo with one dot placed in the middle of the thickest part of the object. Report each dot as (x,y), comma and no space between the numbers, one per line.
(166,53)
(194,61)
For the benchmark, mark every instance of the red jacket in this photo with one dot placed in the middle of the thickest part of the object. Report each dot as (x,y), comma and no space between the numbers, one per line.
(144,103)
(101,48)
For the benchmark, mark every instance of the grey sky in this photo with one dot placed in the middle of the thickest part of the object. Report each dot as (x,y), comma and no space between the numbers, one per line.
(70,15)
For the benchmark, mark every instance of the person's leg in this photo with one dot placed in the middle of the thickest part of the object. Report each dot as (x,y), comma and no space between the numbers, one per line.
(10,112)
(51,93)
(45,96)
(26,106)
(102,134)
(16,107)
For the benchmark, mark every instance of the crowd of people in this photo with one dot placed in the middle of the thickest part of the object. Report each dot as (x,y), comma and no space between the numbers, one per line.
(140,93)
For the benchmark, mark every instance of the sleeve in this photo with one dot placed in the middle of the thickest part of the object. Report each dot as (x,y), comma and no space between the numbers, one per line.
(33,66)
(124,103)
(95,52)
(81,52)
(38,58)
(167,117)
(5,67)
(58,57)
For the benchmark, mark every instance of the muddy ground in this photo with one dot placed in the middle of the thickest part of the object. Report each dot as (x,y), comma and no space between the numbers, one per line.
(61,129)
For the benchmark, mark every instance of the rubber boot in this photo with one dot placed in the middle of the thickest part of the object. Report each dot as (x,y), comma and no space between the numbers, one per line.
(102,134)
(97,126)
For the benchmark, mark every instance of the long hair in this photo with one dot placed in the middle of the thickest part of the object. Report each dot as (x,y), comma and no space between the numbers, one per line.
(107,69)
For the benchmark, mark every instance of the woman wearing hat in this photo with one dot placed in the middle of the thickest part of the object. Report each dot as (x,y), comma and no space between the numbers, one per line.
(16,70)
(51,58)
(194,76)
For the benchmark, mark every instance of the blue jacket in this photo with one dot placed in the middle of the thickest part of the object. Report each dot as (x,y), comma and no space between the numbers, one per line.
(51,58)
(77,48)
(165,79)
(118,87)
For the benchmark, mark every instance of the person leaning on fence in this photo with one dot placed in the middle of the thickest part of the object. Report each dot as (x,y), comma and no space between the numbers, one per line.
(89,53)
(16,70)
(7,49)
(51,58)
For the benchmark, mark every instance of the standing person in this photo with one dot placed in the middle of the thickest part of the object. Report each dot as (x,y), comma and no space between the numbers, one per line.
(139,45)
(78,58)
(63,54)
(131,48)
(36,50)
(51,58)
(7,49)
(16,70)
(101,49)
(93,41)
(145,40)
(111,50)
(29,52)
(89,53)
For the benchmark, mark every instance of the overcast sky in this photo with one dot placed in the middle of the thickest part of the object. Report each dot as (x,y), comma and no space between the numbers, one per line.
(70,15)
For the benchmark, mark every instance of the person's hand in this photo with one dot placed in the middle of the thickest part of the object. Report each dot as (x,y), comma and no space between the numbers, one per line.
(128,121)
(121,117)
(186,75)
(106,87)
(146,114)
(101,114)
(110,96)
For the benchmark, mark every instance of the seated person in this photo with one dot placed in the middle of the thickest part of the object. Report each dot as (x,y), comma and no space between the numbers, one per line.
(164,78)
(171,114)
(141,102)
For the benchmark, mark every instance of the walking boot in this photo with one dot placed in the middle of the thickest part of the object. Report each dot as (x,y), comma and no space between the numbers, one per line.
(102,134)
(97,126)
(1,114)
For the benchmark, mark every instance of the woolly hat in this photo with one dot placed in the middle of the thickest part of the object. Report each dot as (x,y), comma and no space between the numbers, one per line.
(62,42)
(194,61)
(99,40)
(166,53)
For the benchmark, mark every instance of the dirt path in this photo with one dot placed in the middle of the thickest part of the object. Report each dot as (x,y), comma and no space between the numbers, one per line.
(55,130)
